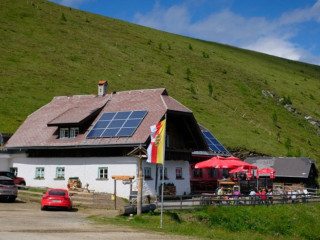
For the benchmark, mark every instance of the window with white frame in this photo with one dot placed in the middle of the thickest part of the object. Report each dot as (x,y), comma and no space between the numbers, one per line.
(103,173)
(64,133)
(165,173)
(74,132)
(178,172)
(60,172)
(39,173)
(147,173)
(67,133)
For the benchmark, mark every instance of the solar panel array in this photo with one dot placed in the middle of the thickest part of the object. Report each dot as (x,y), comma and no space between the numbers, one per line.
(213,143)
(117,124)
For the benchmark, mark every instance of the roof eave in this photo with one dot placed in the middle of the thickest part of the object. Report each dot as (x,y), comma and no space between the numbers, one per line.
(76,146)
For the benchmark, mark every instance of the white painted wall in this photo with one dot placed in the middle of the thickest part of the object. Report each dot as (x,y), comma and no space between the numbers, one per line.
(84,168)
(87,171)
(182,185)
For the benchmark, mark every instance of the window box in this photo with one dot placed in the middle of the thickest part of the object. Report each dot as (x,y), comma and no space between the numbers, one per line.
(39,178)
(59,178)
(102,179)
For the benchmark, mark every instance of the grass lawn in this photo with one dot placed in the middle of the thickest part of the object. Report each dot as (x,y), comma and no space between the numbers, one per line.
(299,221)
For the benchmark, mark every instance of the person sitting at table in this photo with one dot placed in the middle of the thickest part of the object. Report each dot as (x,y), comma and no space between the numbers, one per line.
(269,194)
(252,196)
(220,193)
(236,195)
(263,196)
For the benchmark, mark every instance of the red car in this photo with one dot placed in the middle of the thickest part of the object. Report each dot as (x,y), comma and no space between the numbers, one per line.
(56,198)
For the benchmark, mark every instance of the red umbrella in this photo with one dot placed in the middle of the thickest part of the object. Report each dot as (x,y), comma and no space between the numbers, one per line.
(267,171)
(242,164)
(238,162)
(215,162)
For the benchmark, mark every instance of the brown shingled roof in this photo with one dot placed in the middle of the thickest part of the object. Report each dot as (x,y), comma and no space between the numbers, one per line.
(39,129)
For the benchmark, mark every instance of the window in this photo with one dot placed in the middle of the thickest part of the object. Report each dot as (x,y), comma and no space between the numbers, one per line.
(60,173)
(64,133)
(225,173)
(67,133)
(197,173)
(103,173)
(178,173)
(165,173)
(213,173)
(74,132)
(147,173)
(39,173)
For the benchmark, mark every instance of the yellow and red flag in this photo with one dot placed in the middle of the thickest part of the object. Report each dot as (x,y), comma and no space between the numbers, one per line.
(156,147)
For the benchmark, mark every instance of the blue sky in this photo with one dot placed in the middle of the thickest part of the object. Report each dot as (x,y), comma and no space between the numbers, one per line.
(284,28)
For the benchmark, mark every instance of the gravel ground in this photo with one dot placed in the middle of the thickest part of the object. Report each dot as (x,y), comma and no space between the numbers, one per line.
(25,220)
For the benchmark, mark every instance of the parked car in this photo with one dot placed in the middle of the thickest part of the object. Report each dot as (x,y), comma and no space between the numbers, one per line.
(17,180)
(8,190)
(56,198)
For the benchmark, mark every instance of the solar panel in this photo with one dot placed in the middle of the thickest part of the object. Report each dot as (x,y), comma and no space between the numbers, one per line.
(117,124)
(213,143)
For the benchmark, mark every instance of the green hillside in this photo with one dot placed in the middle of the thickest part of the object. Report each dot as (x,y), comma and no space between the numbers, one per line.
(48,50)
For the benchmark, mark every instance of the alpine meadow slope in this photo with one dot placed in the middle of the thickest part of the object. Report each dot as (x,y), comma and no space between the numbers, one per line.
(48,50)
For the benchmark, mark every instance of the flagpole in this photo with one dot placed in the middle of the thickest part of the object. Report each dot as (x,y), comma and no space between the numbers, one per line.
(164,153)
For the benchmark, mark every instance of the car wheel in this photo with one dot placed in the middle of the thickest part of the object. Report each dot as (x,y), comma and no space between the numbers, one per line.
(43,208)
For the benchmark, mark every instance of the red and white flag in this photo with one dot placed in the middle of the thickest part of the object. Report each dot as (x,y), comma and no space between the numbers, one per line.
(156,147)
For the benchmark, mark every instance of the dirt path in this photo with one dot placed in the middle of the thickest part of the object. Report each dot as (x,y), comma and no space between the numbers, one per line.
(25,220)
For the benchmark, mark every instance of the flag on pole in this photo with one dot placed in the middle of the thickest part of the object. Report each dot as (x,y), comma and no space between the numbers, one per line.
(156,147)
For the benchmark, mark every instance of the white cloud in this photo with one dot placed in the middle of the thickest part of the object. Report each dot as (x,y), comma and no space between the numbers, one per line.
(302,15)
(277,47)
(174,19)
(259,34)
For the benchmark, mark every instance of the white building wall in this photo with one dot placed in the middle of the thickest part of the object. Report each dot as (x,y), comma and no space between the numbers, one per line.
(182,185)
(87,171)
(84,168)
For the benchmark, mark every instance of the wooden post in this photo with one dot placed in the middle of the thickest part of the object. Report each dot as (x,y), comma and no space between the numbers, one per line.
(115,194)
(141,153)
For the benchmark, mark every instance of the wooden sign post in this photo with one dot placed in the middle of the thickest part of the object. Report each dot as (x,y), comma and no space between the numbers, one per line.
(122,178)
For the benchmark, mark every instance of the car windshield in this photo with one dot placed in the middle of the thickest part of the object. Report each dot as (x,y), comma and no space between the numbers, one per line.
(7,174)
(6,182)
(57,193)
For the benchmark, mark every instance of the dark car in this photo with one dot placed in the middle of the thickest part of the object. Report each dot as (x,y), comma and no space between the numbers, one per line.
(8,190)
(17,180)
